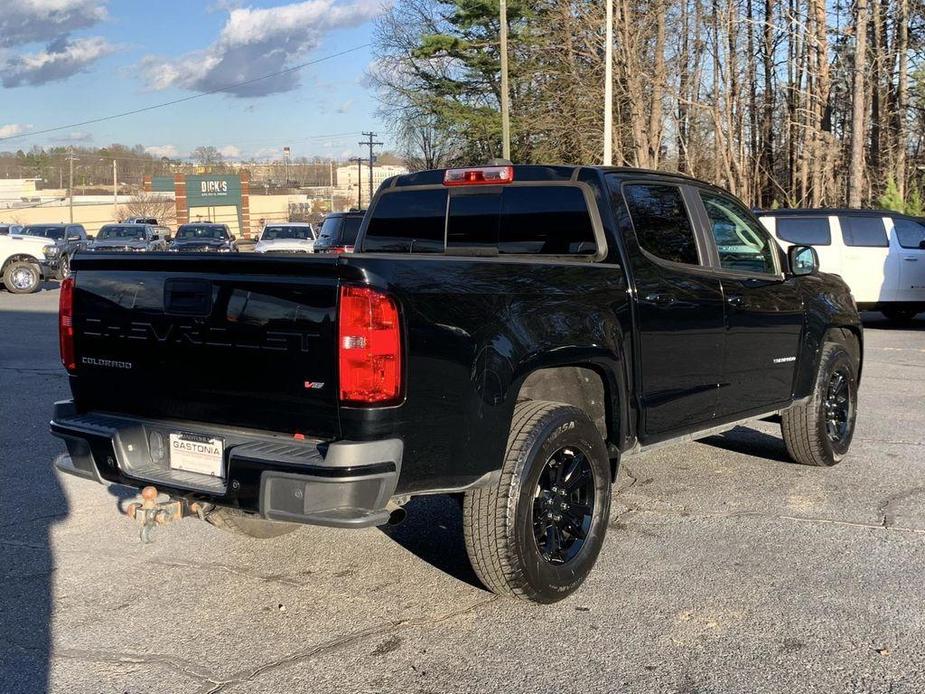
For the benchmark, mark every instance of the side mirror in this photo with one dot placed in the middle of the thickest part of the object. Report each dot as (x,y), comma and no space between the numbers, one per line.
(803,260)
(233,238)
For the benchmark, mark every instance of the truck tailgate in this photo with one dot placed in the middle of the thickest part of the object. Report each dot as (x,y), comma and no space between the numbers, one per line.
(240,340)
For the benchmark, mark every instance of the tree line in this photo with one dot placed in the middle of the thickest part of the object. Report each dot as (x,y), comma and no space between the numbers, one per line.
(785,102)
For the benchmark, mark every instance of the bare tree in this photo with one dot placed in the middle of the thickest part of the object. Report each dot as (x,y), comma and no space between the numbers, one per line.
(159,207)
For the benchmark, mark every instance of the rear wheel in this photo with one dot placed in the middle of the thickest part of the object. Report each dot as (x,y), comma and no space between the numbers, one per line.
(899,315)
(22,277)
(240,523)
(536,533)
(819,432)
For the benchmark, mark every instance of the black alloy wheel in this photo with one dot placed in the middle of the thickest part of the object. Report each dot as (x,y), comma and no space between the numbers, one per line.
(563,505)
(838,406)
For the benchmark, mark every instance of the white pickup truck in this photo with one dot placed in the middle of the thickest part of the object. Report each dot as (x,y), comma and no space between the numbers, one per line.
(22,262)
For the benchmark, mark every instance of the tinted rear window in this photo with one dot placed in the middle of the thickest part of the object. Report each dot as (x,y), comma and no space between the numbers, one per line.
(549,220)
(350,230)
(809,231)
(661,222)
(411,221)
(863,231)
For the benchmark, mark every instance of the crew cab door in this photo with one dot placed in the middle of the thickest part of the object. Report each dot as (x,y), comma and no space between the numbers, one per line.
(679,309)
(763,308)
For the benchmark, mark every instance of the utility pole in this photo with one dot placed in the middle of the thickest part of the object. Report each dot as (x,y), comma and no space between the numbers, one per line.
(115,190)
(359,161)
(608,88)
(505,105)
(370,143)
(332,185)
(70,183)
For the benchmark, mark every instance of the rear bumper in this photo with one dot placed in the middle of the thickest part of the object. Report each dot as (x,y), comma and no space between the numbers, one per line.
(340,484)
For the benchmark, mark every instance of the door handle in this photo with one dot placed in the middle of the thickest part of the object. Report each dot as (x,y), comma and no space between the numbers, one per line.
(660,299)
(735,300)
(909,259)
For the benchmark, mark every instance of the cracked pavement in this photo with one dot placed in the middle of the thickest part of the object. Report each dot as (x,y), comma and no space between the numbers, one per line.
(725,569)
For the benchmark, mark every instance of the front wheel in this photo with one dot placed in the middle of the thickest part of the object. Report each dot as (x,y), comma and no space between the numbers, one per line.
(819,432)
(22,277)
(64,269)
(536,532)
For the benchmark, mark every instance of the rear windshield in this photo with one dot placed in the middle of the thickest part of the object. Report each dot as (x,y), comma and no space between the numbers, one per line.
(547,220)
(49,232)
(287,232)
(130,232)
(808,231)
(196,231)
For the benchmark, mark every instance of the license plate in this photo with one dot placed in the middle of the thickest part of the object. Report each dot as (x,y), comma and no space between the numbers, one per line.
(194,453)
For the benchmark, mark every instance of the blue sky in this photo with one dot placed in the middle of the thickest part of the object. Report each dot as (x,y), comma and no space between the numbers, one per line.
(65,61)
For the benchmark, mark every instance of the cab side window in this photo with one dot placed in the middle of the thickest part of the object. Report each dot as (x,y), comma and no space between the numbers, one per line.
(909,234)
(863,231)
(806,231)
(742,243)
(660,219)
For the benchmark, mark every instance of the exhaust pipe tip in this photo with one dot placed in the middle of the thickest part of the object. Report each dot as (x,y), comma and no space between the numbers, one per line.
(396,514)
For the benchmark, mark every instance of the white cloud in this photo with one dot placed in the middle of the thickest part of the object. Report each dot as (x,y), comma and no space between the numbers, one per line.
(230,152)
(169,151)
(346,106)
(61,59)
(75,136)
(28,21)
(257,42)
(13,129)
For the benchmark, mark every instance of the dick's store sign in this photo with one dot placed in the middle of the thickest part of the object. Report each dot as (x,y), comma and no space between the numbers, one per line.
(206,191)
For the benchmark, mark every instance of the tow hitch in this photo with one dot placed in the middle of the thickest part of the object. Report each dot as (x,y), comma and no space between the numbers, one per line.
(151,512)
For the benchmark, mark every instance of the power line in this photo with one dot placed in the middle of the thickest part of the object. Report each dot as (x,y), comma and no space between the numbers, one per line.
(164,104)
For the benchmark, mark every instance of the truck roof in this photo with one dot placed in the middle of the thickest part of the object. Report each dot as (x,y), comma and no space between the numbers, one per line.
(535,172)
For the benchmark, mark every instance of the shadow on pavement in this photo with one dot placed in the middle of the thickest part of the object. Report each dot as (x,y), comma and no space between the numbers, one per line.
(433,532)
(750,442)
(32,499)
(874,320)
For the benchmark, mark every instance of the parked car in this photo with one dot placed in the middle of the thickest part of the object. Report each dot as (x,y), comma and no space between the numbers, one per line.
(141,220)
(880,254)
(287,237)
(10,229)
(507,334)
(202,237)
(134,237)
(22,262)
(68,240)
(339,232)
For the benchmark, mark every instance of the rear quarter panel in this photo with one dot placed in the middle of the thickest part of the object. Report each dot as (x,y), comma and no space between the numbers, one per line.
(474,329)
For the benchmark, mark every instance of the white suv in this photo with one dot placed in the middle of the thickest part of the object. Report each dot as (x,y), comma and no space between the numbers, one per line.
(880,254)
(22,262)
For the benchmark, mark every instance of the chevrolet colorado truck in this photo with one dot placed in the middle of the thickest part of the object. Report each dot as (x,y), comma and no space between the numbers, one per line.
(504,333)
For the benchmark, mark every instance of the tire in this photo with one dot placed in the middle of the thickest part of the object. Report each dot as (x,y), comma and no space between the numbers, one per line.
(240,523)
(22,277)
(499,520)
(64,268)
(899,315)
(811,438)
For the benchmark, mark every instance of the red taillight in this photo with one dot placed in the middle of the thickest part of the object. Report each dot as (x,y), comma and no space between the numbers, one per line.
(480,175)
(369,345)
(66,324)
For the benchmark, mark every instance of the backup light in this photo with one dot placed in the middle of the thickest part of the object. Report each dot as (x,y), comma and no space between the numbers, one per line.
(479,175)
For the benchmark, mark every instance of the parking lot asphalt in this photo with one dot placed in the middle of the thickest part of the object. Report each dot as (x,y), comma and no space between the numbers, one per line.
(726,569)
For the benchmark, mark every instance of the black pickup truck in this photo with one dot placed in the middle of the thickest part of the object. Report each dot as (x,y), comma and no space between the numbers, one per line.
(505,334)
